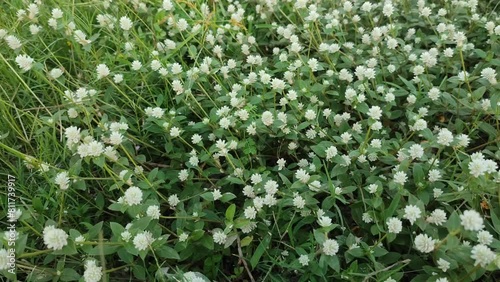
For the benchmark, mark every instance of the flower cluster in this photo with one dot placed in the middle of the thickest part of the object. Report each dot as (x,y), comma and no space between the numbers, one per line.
(308,139)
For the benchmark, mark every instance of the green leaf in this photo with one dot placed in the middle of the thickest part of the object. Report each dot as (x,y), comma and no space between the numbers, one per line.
(95,230)
(321,148)
(319,236)
(260,251)
(139,272)
(230,212)
(69,274)
(104,249)
(167,253)
(69,249)
(141,223)
(246,241)
(496,221)
(389,212)
(478,93)
(100,161)
(333,263)
(227,197)
(207,241)
(453,223)
(418,173)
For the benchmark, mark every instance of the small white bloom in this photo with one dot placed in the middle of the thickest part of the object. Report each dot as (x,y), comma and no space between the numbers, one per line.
(424,243)
(412,213)
(471,220)
(394,225)
(173,200)
(153,212)
(304,260)
(54,238)
(133,196)
(102,71)
(143,240)
(220,237)
(330,247)
(24,62)
(125,23)
(482,255)
(442,264)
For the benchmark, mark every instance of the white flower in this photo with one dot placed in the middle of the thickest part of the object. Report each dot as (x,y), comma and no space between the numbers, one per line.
(267,118)
(416,151)
(24,62)
(153,212)
(477,167)
(482,255)
(442,264)
(471,220)
(125,23)
(330,247)
(13,42)
(156,112)
(304,260)
(444,137)
(437,217)
(388,9)
(420,124)
(216,194)
(250,212)
(62,180)
(220,237)
(196,138)
(324,221)
(72,133)
(102,71)
(167,5)
(35,29)
(4,260)
(412,213)
(434,93)
(136,65)
(331,152)
(489,74)
(95,148)
(310,114)
(54,238)
(81,37)
(55,73)
(115,138)
(133,196)
(434,175)
(375,112)
(175,132)
(372,188)
(183,175)
(400,177)
(143,240)
(424,243)
(484,237)
(299,202)
(93,273)
(183,237)
(126,235)
(57,13)
(302,175)
(394,225)
(367,218)
(463,140)
(173,200)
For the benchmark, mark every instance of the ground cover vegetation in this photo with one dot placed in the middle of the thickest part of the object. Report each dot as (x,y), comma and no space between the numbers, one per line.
(262,140)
